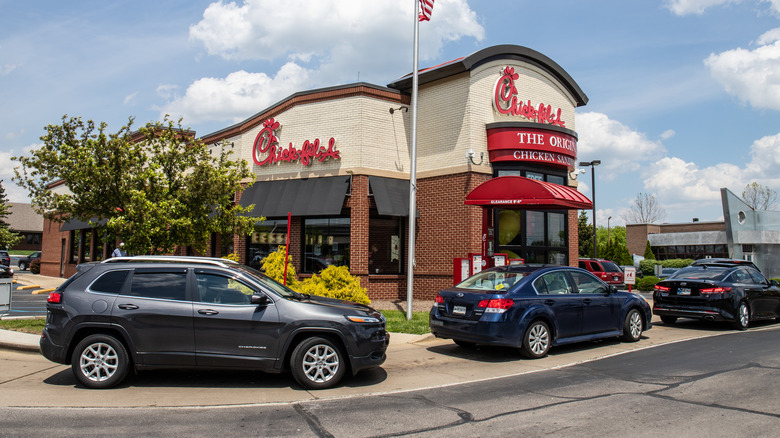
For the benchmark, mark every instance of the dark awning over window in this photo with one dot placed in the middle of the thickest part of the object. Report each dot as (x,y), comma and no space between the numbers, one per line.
(519,192)
(75,224)
(301,197)
(391,195)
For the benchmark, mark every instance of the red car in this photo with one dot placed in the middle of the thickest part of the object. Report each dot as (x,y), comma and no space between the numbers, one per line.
(604,269)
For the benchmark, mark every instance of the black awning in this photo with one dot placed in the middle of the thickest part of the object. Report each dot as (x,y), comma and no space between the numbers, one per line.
(75,224)
(301,197)
(391,195)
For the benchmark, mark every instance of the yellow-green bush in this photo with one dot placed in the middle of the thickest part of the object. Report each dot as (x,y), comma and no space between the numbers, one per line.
(335,282)
(332,282)
(232,256)
(273,266)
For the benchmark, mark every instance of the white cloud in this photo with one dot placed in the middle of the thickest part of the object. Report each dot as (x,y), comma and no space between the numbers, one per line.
(260,29)
(237,96)
(753,76)
(685,7)
(14,192)
(129,98)
(619,148)
(323,42)
(666,135)
(7,68)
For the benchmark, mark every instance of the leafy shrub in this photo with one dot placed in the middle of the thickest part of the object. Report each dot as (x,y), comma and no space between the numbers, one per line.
(232,256)
(646,283)
(335,282)
(646,266)
(332,282)
(35,266)
(273,266)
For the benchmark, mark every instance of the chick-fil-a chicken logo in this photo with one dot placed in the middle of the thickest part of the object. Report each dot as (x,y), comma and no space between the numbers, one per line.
(266,149)
(506,102)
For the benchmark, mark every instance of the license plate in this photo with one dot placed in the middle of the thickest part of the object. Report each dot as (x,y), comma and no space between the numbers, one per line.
(683,291)
(459,310)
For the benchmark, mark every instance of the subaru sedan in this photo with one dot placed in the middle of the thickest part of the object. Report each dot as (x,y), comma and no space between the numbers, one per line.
(534,308)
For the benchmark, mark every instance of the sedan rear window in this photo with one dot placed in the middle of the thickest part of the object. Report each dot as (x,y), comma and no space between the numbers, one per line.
(701,273)
(492,280)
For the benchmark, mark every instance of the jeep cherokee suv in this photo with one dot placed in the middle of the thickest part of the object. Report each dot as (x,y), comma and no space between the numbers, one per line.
(135,313)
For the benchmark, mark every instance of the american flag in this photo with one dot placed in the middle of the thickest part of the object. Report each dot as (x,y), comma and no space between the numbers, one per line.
(426,7)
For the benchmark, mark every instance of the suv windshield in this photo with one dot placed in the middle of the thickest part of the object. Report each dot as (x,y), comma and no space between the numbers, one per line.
(263,279)
(610,267)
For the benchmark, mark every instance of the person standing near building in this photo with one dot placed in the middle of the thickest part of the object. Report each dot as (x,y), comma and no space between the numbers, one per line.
(119,251)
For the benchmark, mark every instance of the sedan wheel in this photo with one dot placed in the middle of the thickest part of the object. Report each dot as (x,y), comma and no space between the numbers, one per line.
(100,362)
(536,342)
(22,266)
(317,363)
(632,327)
(743,316)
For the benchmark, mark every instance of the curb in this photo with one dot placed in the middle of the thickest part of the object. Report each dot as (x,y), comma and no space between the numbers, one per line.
(43,291)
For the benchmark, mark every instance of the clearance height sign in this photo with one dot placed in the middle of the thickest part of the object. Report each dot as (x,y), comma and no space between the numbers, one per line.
(532,145)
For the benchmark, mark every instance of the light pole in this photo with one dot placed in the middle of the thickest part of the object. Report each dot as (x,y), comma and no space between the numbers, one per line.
(592,165)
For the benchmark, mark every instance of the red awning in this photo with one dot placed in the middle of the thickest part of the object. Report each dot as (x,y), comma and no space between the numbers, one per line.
(518,191)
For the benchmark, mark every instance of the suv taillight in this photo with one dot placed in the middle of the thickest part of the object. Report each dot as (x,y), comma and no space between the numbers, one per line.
(54,298)
(496,305)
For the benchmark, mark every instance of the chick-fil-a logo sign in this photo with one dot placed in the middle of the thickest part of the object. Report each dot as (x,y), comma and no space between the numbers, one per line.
(506,102)
(266,149)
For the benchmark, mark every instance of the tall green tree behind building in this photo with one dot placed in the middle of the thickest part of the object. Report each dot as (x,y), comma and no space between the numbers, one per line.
(156,188)
(7,237)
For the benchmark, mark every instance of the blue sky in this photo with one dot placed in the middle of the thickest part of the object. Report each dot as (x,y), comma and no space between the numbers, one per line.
(684,94)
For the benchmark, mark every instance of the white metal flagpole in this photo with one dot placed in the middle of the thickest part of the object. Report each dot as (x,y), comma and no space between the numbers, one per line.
(412,175)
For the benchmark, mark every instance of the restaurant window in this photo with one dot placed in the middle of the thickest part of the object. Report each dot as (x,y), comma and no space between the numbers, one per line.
(265,239)
(326,242)
(75,243)
(535,236)
(385,244)
(533,173)
(100,245)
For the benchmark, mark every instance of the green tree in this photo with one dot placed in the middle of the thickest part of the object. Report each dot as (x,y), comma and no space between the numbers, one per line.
(585,231)
(158,187)
(7,237)
(759,197)
(649,252)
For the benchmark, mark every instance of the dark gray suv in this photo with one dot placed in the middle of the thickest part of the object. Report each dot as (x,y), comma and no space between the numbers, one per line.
(134,313)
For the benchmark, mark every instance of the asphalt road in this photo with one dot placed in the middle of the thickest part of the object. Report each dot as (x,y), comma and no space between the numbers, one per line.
(723,385)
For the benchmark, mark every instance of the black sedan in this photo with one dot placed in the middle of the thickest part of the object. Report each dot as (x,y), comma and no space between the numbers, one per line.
(719,290)
(6,272)
(25,262)
(534,308)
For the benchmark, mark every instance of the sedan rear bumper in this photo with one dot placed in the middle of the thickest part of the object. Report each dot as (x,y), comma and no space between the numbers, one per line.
(706,313)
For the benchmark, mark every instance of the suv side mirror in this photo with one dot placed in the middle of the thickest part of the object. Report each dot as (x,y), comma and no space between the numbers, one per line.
(774,283)
(260,300)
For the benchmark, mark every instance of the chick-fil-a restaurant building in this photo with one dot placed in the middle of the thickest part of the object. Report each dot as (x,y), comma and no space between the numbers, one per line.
(496,144)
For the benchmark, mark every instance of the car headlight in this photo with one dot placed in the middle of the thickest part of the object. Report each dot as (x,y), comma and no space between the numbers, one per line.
(363,319)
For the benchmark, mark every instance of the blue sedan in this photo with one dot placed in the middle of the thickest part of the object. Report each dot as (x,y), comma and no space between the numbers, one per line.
(535,308)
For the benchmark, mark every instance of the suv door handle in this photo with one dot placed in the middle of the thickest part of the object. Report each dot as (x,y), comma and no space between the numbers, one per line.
(587,301)
(208,312)
(549,302)
(128,306)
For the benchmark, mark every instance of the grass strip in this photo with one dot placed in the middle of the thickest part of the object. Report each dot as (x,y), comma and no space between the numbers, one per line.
(397,322)
(34,326)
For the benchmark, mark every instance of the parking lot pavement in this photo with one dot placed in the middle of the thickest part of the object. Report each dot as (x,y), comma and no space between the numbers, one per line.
(413,362)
